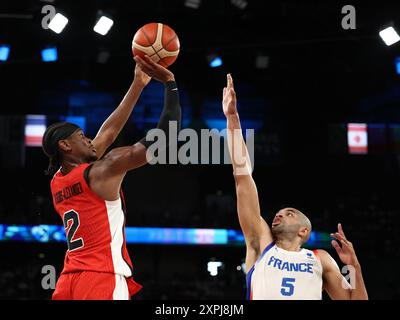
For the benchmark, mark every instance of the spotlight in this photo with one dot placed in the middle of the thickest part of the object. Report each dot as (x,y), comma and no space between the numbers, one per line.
(262,62)
(389,36)
(214,61)
(58,23)
(212,267)
(103,25)
(4,52)
(103,56)
(194,4)
(241,4)
(49,54)
(397,63)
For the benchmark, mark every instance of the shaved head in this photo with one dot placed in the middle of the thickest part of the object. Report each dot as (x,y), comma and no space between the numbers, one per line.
(305,223)
(291,224)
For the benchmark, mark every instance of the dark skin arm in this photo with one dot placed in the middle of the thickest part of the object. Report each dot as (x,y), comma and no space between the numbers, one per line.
(107,174)
(113,125)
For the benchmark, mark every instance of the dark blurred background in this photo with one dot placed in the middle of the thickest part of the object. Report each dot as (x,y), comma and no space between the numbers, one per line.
(300,79)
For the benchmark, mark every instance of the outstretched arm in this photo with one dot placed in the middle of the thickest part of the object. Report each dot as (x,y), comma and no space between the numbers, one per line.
(106,174)
(334,283)
(256,231)
(113,125)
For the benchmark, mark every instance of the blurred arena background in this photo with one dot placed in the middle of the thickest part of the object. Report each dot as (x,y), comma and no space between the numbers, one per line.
(301,79)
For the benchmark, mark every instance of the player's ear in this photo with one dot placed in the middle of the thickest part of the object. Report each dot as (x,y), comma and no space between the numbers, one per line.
(303,232)
(64,145)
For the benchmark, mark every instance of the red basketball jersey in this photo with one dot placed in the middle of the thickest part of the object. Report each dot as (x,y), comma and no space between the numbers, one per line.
(95,228)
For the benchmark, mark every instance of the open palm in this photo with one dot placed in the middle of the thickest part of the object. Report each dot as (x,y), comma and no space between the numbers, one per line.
(229,97)
(346,251)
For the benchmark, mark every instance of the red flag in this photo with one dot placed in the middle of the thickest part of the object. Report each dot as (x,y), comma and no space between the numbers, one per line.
(357,138)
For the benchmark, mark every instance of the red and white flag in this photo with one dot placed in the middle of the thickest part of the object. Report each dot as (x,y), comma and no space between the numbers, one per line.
(357,138)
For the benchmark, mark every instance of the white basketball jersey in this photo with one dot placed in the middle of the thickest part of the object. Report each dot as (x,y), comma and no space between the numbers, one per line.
(285,275)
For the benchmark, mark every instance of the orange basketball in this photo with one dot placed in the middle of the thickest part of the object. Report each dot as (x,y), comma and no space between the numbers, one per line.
(158,41)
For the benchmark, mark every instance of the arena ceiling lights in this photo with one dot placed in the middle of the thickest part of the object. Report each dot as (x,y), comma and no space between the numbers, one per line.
(194,4)
(103,25)
(389,36)
(241,4)
(58,23)
(4,52)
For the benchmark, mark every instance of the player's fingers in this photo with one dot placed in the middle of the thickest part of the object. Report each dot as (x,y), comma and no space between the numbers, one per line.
(338,236)
(229,80)
(340,229)
(336,246)
(342,240)
(145,68)
(232,94)
(149,67)
(346,244)
(138,59)
(138,66)
(144,62)
(150,61)
(224,91)
(145,65)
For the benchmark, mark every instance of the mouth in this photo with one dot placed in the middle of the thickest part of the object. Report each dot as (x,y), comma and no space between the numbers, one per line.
(276,222)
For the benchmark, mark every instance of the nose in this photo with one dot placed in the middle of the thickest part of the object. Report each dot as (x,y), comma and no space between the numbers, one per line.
(279,215)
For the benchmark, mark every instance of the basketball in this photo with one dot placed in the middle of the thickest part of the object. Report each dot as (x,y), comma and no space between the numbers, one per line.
(158,41)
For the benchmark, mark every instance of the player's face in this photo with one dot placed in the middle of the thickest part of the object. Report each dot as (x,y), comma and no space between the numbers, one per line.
(83,146)
(284,218)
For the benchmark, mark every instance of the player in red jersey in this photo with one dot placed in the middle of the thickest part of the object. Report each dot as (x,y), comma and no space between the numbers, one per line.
(86,192)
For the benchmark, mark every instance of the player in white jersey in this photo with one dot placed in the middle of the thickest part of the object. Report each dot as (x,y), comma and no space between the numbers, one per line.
(277,267)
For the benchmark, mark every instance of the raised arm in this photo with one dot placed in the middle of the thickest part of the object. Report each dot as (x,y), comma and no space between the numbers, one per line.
(113,125)
(334,283)
(106,174)
(256,231)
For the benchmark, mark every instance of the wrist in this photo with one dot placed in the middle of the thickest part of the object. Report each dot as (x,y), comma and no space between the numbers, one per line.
(138,84)
(171,84)
(234,115)
(169,79)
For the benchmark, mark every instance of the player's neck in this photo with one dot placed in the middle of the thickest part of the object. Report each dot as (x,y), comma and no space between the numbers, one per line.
(287,245)
(68,165)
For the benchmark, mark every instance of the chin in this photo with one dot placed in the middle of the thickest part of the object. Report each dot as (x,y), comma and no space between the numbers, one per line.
(277,229)
(93,157)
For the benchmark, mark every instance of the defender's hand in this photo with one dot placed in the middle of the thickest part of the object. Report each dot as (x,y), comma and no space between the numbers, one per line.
(345,251)
(229,97)
(154,70)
